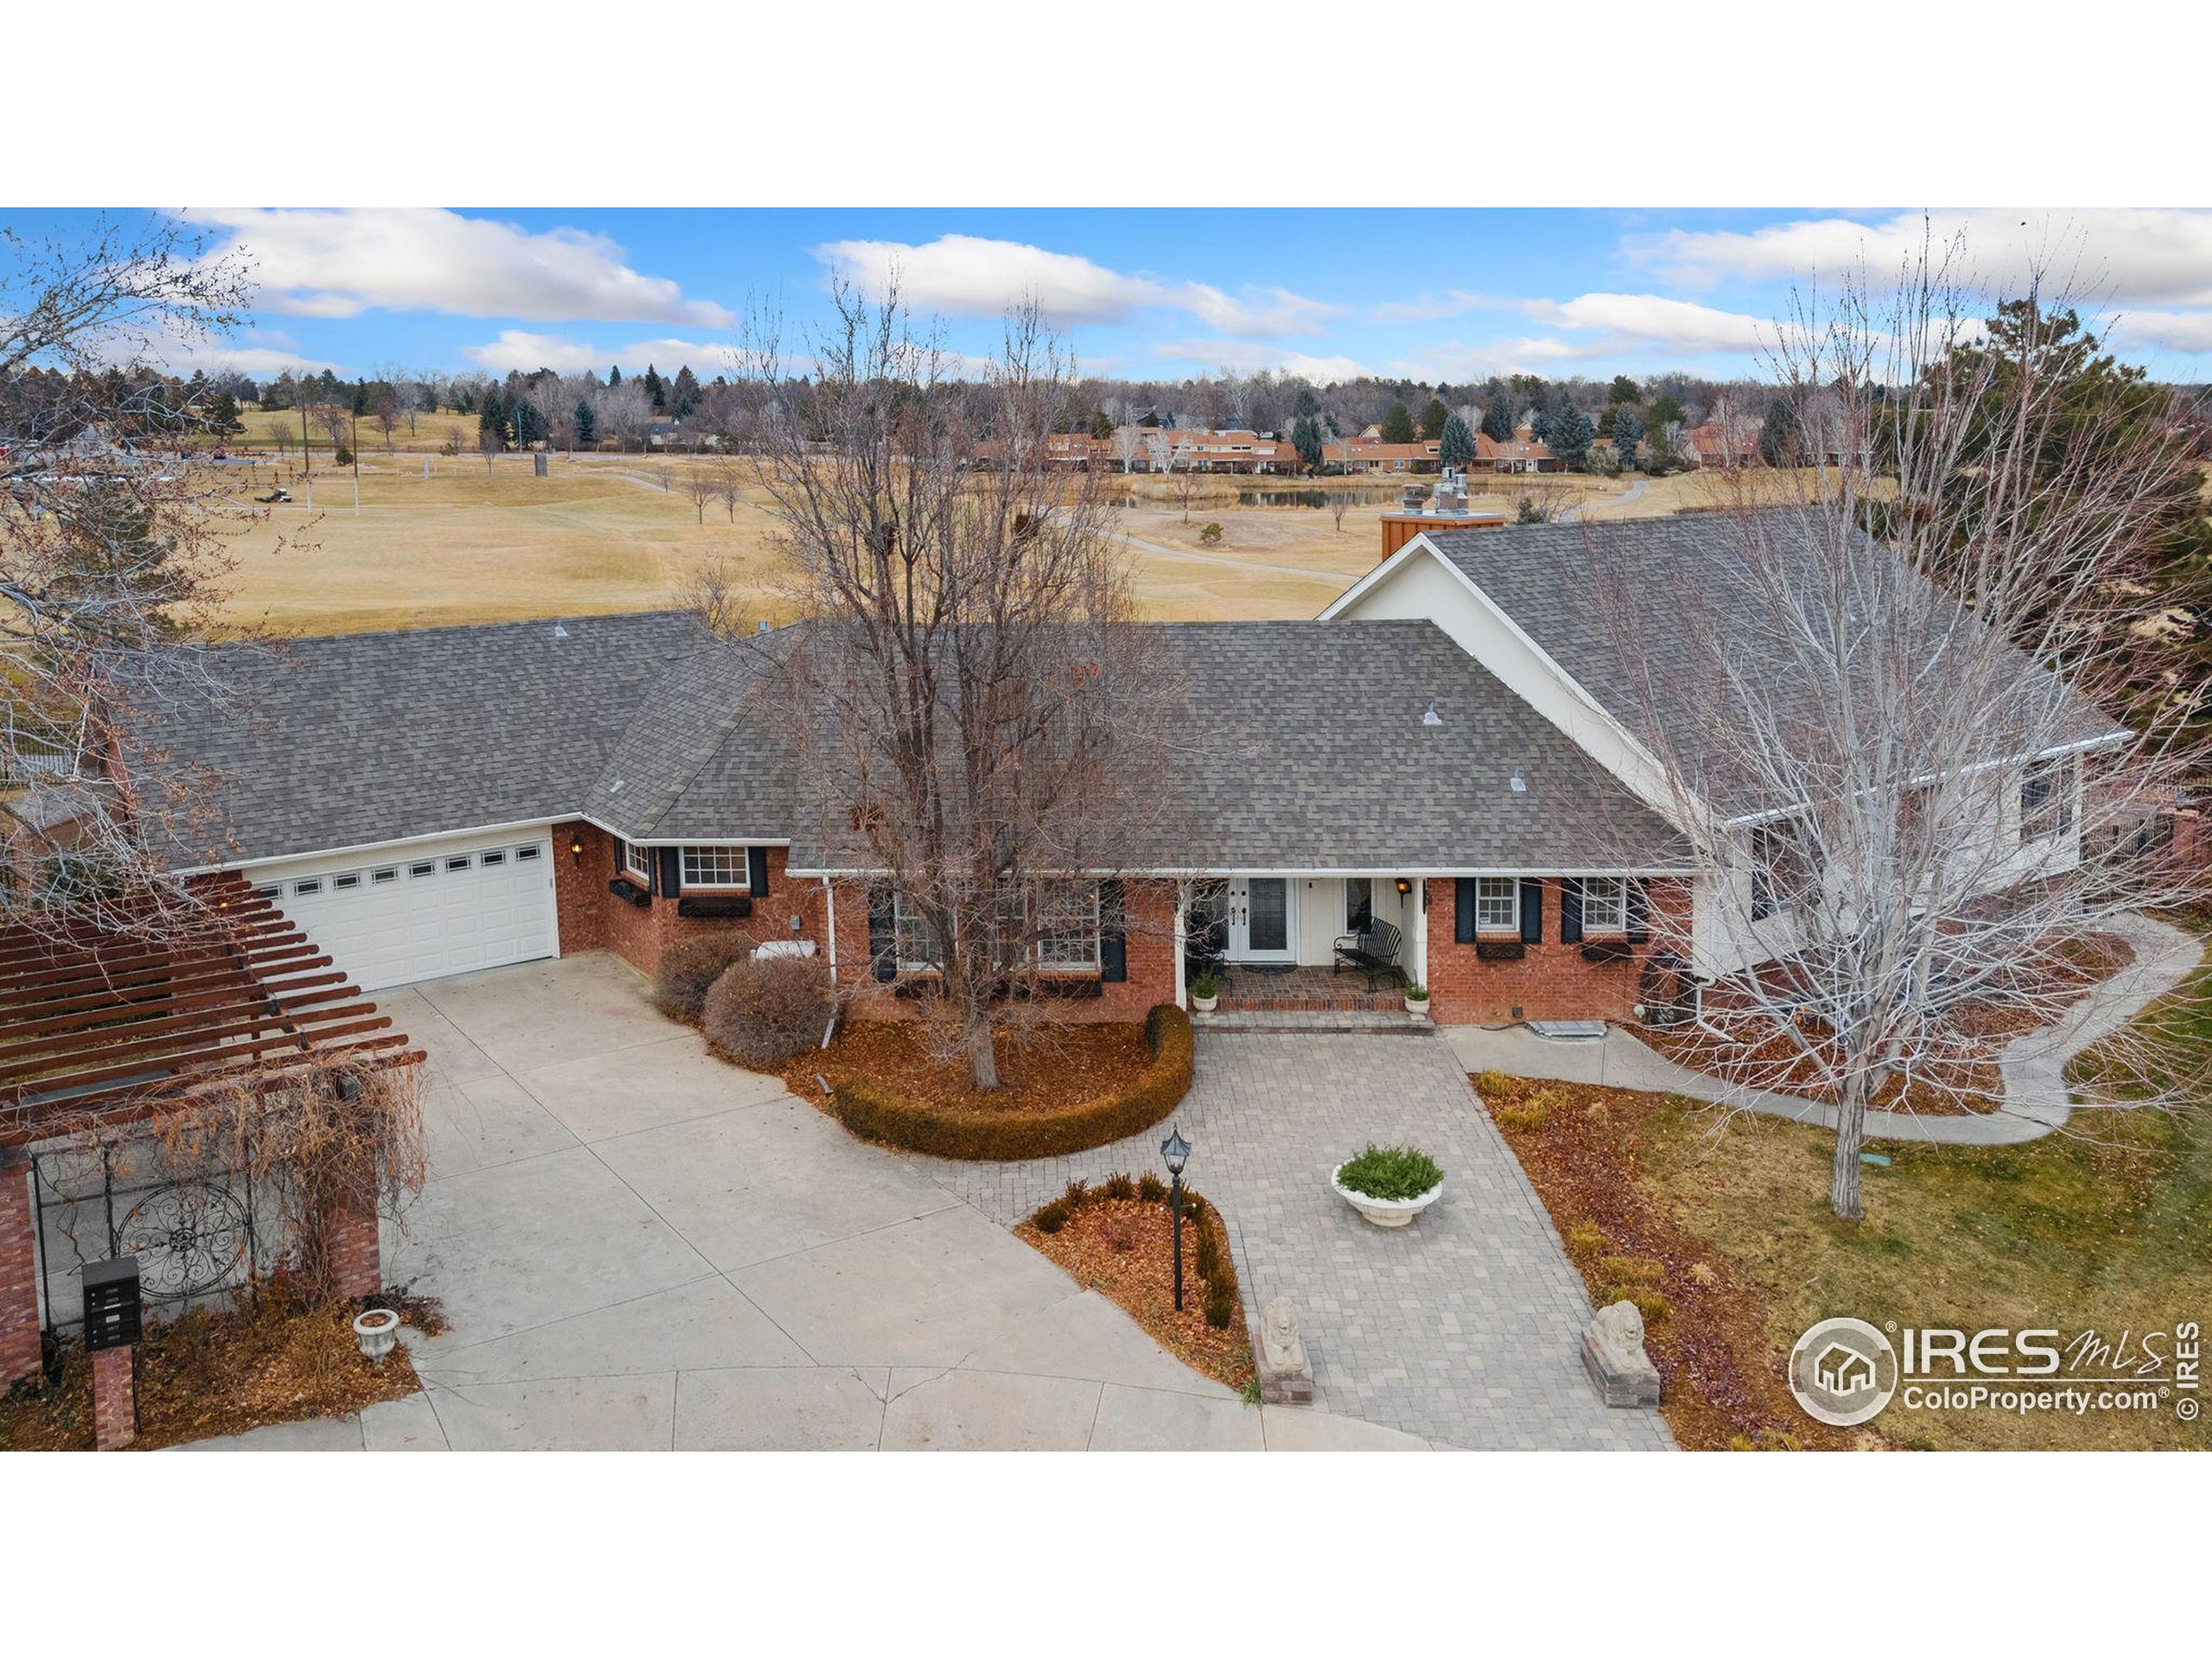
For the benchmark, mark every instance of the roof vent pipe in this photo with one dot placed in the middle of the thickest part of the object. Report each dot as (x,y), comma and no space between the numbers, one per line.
(1430,717)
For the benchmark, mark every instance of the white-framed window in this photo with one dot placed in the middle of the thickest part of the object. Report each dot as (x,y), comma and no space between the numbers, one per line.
(303,889)
(1067,925)
(715,867)
(346,882)
(2047,798)
(632,860)
(1778,866)
(1605,904)
(917,945)
(1497,905)
(389,873)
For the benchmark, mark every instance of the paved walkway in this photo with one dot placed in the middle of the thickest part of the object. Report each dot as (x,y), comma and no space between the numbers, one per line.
(1465,1328)
(640,1248)
(2036,1100)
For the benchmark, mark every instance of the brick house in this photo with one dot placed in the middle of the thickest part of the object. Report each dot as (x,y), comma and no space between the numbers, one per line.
(1451,748)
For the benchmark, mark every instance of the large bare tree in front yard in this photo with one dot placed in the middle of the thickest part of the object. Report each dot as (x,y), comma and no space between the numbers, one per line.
(1904,726)
(981,724)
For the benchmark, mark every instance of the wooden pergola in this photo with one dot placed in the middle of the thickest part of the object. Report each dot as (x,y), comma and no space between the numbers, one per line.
(112,1027)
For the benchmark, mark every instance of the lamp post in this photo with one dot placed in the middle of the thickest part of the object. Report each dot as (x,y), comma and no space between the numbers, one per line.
(1177,1150)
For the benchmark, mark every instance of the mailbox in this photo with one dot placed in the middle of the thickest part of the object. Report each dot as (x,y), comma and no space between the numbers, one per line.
(112,1303)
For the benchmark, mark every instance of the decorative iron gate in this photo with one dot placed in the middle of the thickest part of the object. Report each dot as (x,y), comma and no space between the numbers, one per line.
(194,1234)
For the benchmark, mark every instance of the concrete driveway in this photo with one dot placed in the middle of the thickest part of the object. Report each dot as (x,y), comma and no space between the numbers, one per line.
(641,1248)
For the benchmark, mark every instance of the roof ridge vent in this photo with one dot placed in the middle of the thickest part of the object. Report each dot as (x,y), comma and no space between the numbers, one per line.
(560,633)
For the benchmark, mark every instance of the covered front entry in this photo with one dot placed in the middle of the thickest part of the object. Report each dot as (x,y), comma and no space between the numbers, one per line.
(1262,919)
(1293,920)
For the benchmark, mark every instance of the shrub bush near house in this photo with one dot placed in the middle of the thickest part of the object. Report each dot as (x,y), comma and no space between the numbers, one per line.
(688,969)
(876,1112)
(762,1013)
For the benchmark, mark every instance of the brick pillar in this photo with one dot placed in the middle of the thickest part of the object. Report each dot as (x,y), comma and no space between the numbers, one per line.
(115,1398)
(356,1268)
(19,1332)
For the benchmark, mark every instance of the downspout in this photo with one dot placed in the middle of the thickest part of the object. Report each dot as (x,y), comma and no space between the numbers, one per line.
(1182,906)
(829,924)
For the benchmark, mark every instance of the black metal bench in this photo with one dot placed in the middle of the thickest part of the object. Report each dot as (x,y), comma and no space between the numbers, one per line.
(1373,950)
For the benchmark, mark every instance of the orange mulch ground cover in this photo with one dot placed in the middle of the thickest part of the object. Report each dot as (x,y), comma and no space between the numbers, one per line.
(1123,1249)
(1722,1384)
(223,1371)
(1037,1069)
(1954,1089)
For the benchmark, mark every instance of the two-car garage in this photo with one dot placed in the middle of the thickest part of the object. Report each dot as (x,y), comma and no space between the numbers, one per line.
(393,915)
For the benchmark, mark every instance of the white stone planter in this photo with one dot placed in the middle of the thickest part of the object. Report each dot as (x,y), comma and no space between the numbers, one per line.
(376,1332)
(1202,1004)
(1385,1213)
(1417,1007)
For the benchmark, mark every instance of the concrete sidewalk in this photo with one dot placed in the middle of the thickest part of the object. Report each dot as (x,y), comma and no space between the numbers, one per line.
(2036,1100)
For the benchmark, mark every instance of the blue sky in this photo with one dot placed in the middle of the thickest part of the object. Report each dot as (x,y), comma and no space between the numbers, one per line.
(1453,295)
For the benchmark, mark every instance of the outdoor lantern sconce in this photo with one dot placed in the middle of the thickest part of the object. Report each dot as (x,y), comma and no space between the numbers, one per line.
(576,849)
(1404,887)
(1177,1150)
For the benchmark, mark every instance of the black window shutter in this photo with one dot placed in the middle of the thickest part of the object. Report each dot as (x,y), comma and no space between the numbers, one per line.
(882,933)
(1463,909)
(672,871)
(1532,910)
(1570,910)
(756,871)
(1639,914)
(1113,934)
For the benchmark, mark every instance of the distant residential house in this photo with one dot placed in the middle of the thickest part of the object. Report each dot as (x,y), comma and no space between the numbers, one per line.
(1726,442)
(1193,450)
(1523,452)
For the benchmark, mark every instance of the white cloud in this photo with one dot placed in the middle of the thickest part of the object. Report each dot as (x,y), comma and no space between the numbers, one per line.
(2147,254)
(979,277)
(2175,331)
(1249,356)
(341,262)
(517,348)
(1629,320)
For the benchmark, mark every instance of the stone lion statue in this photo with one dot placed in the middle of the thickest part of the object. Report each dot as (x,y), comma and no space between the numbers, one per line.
(1617,1335)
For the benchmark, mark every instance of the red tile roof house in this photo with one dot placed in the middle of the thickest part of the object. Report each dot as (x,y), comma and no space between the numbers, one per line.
(1452,748)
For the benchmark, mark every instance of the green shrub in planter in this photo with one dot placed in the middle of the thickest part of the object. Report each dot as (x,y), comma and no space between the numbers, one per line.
(1206,985)
(1390,1172)
(688,968)
(1416,993)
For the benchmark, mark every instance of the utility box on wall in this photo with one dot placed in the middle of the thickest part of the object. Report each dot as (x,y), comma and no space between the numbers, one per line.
(111,1306)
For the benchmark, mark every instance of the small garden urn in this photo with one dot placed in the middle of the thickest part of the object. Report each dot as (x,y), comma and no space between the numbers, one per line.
(1388,1185)
(376,1332)
(1417,1002)
(1204,994)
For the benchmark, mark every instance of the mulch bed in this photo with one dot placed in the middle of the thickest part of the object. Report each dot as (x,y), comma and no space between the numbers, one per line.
(1962,1087)
(223,1371)
(1124,1249)
(1723,1385)
(1038,1069)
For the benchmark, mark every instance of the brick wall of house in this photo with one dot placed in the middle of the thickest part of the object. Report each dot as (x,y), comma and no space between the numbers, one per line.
(592,919)
(1552,981)
(115,1398)
(356,1259)
(19,1330)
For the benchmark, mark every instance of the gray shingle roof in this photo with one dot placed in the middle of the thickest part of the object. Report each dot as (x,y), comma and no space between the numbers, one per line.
(1638,611)
(372,737)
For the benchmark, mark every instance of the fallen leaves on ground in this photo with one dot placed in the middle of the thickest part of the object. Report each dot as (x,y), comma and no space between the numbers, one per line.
(1038,1069)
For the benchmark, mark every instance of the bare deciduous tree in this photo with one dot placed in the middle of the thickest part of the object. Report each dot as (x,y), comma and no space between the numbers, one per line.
(981,724)
(701,485)
(728,478)
(1884,723)
(111,570)
(1337,503)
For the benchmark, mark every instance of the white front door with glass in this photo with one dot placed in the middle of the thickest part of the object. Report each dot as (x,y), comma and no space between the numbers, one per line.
(1262,919)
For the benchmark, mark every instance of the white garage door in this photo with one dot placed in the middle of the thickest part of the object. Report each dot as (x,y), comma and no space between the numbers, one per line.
(421,912)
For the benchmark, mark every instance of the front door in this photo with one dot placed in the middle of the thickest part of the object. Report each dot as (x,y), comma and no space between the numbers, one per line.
(1261,922)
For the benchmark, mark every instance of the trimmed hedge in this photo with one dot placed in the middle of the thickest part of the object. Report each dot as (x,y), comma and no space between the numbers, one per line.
(762,1013)
(876,1114)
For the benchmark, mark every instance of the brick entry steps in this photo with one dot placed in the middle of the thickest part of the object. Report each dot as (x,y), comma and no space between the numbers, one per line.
(1310,1019)
(1306,990)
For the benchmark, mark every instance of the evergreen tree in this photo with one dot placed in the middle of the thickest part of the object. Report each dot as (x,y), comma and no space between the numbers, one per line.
(1433,417)
(1778,435)
(1568,433)
(657,389)
(529,423)
(491,418)
(614,377)
(1398,425)
(1626,430)
(1497,419)
(223,415)
(1457,448)
(1101,426)
(1305,438)
(586,424)
(1663,411)
(683,395)
(1624,391)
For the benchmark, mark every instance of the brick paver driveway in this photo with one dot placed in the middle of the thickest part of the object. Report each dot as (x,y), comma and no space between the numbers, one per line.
(1464,1327)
